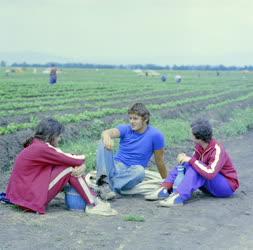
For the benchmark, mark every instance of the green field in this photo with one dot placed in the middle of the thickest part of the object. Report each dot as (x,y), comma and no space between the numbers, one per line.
(88,101)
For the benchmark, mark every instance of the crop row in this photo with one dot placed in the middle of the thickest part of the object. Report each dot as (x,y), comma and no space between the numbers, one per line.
(230,101)
(76,103)
(31,88)
(90,115)
(76,98)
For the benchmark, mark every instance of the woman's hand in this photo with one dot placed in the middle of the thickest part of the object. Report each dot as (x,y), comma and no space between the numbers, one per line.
(79,171)
(181,158)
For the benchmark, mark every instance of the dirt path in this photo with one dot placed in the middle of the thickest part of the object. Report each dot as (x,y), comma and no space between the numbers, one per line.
(203,223)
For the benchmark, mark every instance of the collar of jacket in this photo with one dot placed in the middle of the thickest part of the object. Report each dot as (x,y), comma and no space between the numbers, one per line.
(202,151)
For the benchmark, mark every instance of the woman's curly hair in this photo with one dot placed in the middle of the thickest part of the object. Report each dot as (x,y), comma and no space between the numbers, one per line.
(202,129)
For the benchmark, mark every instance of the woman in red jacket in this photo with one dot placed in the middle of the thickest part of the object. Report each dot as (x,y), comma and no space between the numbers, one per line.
(210,169)
(41,171)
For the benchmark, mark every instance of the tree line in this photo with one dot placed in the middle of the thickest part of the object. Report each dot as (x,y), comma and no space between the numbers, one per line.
(220,67)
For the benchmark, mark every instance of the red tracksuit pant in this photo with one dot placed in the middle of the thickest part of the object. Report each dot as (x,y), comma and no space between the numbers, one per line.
(60,176)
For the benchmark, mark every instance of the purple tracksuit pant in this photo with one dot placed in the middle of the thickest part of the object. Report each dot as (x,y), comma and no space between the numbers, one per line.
(218,186)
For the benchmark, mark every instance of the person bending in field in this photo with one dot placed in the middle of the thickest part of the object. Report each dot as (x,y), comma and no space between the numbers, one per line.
(53,75)
(210,169)
(138,142)
(41,170)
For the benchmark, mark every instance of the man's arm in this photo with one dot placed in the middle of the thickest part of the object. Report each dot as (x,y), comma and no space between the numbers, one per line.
(107,136)
(159,160)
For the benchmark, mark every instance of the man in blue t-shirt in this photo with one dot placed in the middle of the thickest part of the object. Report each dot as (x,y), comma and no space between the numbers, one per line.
(138,142)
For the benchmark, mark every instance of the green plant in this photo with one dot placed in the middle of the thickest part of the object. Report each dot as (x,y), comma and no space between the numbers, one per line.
(132,217)
(239,123)
(175,130)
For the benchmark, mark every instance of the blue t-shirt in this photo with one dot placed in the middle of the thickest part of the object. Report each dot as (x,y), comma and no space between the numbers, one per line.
(137,148)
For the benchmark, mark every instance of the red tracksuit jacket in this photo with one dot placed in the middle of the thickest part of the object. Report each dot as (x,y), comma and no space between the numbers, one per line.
(30,178)
(213,160)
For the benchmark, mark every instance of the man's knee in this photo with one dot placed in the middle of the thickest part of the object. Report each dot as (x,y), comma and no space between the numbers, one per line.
(137,176)
(100,147)
(139,172)
(102,151)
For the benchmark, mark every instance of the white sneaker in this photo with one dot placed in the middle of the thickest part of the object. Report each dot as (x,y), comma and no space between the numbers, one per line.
(101,208)
(173,200)
(159,194)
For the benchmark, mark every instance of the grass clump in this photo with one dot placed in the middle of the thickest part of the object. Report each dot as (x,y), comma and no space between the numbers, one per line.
(240,122)
(132,217)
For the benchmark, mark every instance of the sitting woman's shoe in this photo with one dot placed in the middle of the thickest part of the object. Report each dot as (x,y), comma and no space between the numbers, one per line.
(173,200)
(159,194)
(101,208)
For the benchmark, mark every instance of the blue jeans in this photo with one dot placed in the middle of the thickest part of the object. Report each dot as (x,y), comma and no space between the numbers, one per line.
(119,176)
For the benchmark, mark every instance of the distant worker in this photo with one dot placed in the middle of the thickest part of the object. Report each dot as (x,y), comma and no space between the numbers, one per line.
(7,72)
(178,78)
(53,75)
(164,78)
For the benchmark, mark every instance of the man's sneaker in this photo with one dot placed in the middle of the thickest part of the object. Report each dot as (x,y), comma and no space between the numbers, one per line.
(159,194)
(105,193)
(101,208)
(173,200)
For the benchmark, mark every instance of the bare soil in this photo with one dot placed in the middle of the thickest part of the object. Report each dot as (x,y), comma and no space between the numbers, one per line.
(203,223)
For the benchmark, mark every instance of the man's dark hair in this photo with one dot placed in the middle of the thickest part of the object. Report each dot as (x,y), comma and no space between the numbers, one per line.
(141,110)
(202,129)
(47,130)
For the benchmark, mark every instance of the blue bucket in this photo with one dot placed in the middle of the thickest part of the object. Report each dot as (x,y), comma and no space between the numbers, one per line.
(74,200)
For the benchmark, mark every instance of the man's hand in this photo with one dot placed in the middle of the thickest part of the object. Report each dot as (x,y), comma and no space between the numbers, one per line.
(108,136)
(108,142)
(78,171)
(182,157)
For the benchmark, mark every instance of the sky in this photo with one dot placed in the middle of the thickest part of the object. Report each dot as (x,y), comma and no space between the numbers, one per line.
(162,32)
